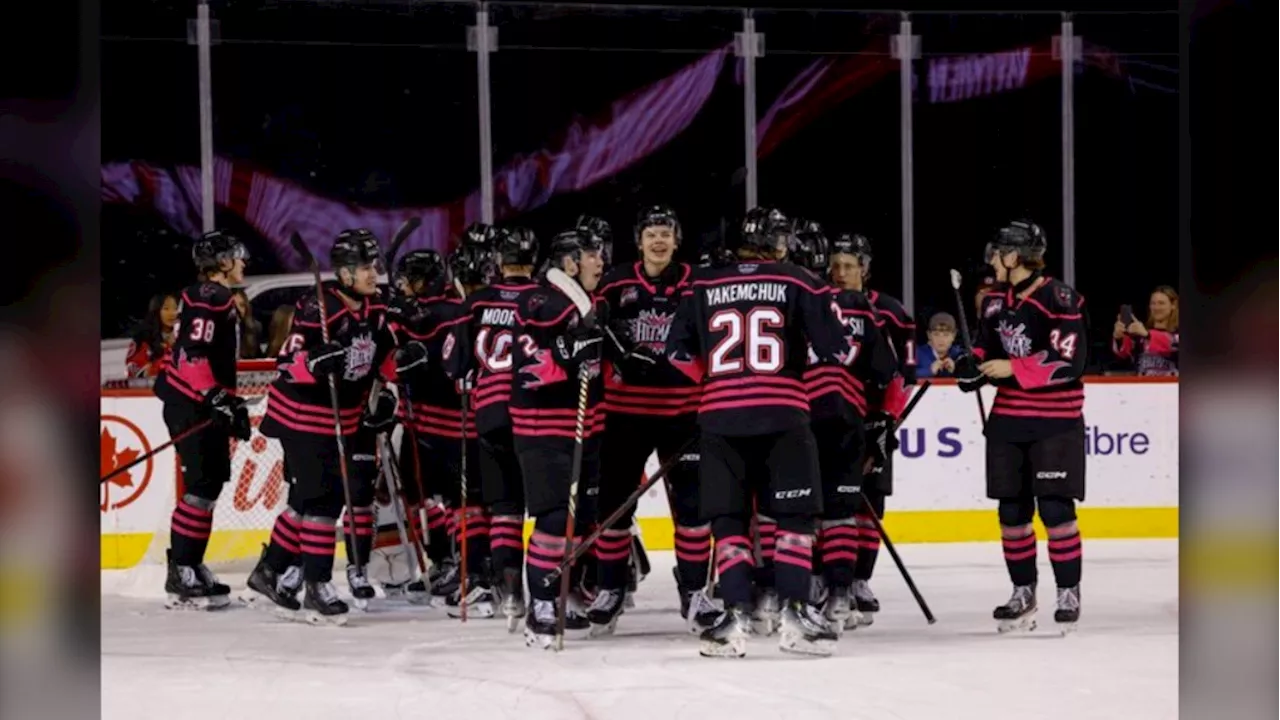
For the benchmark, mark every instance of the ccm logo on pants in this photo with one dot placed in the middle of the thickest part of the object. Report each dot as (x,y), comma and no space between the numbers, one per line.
(791,494)
(1051,475)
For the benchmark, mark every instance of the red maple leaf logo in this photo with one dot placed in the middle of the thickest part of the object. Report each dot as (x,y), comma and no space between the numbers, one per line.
(111,459)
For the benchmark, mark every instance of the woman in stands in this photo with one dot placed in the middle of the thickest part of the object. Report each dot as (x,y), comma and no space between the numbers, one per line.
(1152,347)
(150,343)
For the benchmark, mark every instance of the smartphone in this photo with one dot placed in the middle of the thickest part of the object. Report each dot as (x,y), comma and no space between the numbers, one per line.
(1126,315)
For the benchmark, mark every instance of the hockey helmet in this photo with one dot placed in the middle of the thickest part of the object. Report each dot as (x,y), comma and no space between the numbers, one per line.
(1020,236)
(354,248)
(478,234)
(472,264)
(425,266)
(658,216)
(213,248)
(516,246)
(809,247)
(765,229)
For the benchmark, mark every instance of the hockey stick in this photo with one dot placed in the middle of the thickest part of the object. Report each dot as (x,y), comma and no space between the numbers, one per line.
(198,427)
(632,499)
(582,302)
(398,239)
(968,341)
(875,519)
(301,248)
(465,400)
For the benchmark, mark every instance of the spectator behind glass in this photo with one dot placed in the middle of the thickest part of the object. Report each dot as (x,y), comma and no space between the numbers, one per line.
(150,343)
(937,358)
(281,325)
(1153,347)
(250,328)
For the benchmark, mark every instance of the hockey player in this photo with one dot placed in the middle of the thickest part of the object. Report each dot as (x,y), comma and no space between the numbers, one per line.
(555,344)
(850,270)
(744,331)
(427,312)
(1031,346)
(300,415)
(652,407)
(479,356)
(198,384)
(840,399)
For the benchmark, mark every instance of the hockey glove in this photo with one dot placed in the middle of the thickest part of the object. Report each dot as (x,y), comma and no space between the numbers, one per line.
(466,383)
(637,364)
(968,377)
(411,360)
(229,412)
(382,415)
(882,439)
(326,359)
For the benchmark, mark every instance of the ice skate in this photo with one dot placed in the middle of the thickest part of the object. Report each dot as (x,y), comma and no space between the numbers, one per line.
(361,591)
(840,611)
(818,592)
(727,637)
(865,603)
(513,605)
(605,610)
(1068,612)
(764,618)
(268,589)
(1019,614)
(699,611)
(418,592)
(804,631)
(540,625)
(211,581)
(575,617)
(444,583)
(185,589)
(322,605)
(481,601)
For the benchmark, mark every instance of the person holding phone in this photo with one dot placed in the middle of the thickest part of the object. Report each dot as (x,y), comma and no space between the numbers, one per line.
(1153,346)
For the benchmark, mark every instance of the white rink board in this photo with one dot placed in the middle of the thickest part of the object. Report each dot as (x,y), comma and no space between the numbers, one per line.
(1133,460)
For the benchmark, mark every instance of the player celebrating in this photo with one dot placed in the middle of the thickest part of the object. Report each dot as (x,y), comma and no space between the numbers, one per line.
(652,407)
(841,398)
(479,356)
(300,415)
(1031,346)
(555,344)
(850,270)
(198,384)
(744,332)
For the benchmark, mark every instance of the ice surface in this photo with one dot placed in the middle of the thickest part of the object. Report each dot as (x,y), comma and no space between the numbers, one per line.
(400,661)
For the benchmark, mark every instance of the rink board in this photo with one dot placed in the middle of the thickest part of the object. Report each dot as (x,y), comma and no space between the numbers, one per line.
(1132,430)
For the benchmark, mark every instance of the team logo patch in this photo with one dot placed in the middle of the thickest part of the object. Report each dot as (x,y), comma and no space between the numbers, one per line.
(746,268)
(629,296)
(446,350)
(536,300)
(651,328)
(509,294)
(1063,295)
(1014,339)
(993,307)
(360,357)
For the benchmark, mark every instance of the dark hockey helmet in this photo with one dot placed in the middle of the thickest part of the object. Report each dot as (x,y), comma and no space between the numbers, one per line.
(809,247)
(353,248)
(596,226)
(658,216)
(425,266)
(478,234)
(765,229)
(213,248)
(473,264)
(1020,236)
(571,244)
(516,246)
(714,254)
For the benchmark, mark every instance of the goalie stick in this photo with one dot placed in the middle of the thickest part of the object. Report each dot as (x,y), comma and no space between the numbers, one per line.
(198,427)
(301,248)
(967,340)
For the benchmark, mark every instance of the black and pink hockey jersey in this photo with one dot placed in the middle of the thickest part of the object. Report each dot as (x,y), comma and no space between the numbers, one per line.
(1043,335)
(206,342)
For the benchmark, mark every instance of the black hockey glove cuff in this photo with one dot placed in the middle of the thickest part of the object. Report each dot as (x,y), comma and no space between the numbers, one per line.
(326,359)
(968,377)
(882,439)
(411,361)
(382,414)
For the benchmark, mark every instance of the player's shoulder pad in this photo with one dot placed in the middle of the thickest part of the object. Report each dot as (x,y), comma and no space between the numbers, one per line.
(1059,296)
(208,293)
(543,301)
(853,300)
(992,304)
(616,274)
